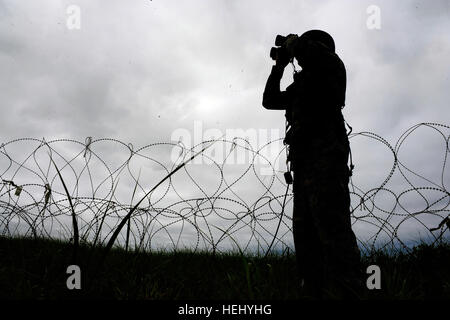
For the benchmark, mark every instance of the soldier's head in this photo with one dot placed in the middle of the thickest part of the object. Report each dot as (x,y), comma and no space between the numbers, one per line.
(316,37)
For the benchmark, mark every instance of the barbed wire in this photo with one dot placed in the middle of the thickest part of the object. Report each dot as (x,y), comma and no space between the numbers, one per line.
(230,196)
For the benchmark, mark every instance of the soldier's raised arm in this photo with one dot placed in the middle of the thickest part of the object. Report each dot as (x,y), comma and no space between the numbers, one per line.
(273,97)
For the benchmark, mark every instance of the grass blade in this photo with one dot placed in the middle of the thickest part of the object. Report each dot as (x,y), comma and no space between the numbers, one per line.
(74,218)
(125,219)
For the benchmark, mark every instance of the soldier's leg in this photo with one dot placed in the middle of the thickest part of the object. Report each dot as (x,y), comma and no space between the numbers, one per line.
(306,240)
(330,207)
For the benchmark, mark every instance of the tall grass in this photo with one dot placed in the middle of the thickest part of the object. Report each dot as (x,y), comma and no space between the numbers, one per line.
(36,268)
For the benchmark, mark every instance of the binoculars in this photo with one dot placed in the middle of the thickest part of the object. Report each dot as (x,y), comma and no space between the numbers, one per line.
(281,51)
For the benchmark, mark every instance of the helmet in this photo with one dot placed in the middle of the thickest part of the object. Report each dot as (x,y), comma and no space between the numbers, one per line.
(319,35)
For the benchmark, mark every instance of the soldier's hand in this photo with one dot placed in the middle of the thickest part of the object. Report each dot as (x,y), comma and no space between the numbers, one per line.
(282,59)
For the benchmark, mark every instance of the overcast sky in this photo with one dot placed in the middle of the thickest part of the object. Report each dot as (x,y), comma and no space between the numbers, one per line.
(138,70)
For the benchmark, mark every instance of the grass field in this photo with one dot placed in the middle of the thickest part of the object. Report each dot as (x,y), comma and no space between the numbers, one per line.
(36,269)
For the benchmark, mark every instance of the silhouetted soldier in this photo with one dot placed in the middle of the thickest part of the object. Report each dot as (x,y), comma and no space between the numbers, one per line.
(327,253)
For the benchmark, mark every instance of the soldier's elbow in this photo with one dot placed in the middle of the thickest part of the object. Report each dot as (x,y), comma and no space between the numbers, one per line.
(268,103)
(272,105)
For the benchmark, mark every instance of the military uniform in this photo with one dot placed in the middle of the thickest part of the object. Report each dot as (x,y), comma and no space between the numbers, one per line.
(326,249)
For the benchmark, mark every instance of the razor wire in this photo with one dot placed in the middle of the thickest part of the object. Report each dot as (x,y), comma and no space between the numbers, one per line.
(233,195)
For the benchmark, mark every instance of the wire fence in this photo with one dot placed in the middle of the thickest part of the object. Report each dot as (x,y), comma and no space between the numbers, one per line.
(214,202)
